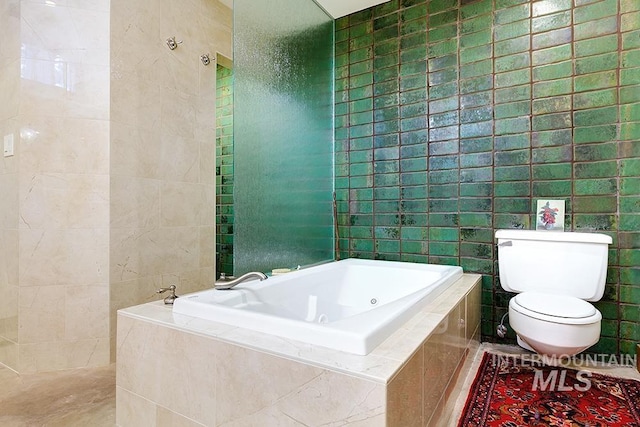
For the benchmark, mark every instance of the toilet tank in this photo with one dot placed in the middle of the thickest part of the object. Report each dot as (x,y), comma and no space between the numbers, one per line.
(573,264)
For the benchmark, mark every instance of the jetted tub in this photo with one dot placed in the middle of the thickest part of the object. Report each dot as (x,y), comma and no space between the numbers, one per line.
(350,305)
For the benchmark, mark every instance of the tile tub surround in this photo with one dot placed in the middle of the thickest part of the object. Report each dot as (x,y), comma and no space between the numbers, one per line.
(454,117)
(173,368)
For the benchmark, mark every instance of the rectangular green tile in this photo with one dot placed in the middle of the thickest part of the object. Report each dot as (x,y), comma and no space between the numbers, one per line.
(595,186)
(469,189)
(592,134)
(511,30)
(595,152)
(630,76)
(512,142)
(557,188)
(436,6)
(552,88)
(476,53)
(595,11)
(596,116)
(476,160)
(548,39)
(512,173)
(475,69)
(596,169)
(476,145)
(595,81)
(631,40)
(445,32)
(596,45)
(443,18)
(385,8)
(475,24)
(512,205)
(476,175)
(552,171)
(550,6)
(476,84)
(511,189)
(552,121)
(595,99)
(512,78)
(552,71)
(512,94)
(629,222)
(469,10)
(631,59)
(595,28)
(516,125)
(518,221)
(516,13)
(414,12)
(512,62)
(513,109)
(550,22)
(630,131)
(558,154)
(552,105)
(476,204)
(594,222)
(511,46)
(552,55)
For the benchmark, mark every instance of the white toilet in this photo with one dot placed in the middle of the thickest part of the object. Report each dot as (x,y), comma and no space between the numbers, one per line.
(554,275)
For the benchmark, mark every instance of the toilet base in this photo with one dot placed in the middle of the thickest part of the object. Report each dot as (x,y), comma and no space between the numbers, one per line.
(522,343)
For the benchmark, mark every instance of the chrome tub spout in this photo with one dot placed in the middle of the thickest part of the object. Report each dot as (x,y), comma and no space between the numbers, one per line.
(231,283)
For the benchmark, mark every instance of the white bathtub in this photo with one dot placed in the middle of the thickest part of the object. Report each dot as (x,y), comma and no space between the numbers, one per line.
(350,305)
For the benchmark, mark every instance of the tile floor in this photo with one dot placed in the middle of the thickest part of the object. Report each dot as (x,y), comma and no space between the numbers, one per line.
(79,397)
(86,397)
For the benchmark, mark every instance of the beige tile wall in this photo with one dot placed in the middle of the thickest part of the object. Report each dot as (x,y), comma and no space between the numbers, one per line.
(162,176)
(9,88)
(111,192)
(63,186)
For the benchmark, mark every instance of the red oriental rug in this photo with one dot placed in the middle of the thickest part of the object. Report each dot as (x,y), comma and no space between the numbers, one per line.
(509,393)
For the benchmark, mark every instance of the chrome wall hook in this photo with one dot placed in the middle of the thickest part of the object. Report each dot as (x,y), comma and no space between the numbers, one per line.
(205,59)
(172,43)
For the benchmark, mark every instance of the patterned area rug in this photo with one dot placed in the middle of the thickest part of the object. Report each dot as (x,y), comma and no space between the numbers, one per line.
(509,392)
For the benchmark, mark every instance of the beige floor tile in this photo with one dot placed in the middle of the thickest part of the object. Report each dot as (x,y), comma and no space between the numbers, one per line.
(79,397)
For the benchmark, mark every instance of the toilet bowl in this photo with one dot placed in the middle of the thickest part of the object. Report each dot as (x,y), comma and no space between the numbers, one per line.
(554,275)
(554,325)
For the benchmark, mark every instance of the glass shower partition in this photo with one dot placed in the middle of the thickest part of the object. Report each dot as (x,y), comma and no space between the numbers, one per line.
(283,134)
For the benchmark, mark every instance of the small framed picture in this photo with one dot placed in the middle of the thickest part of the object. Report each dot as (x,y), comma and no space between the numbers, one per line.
(550,215)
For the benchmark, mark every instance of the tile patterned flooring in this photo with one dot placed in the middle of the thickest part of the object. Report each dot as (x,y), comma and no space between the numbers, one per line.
(79,397)
(86,397)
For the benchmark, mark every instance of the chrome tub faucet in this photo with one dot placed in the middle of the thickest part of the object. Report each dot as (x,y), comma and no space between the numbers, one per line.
(229,284)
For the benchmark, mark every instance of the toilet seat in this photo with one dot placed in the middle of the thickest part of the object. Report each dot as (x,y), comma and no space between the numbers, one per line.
(562,309)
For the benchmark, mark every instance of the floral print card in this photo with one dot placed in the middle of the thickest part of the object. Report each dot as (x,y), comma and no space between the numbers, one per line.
(550,215)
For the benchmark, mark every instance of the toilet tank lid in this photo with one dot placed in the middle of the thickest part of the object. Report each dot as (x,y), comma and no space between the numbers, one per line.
(554,236)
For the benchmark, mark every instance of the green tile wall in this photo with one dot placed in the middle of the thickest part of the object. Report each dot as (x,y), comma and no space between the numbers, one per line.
(454,116)
(224,171)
